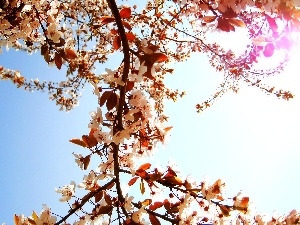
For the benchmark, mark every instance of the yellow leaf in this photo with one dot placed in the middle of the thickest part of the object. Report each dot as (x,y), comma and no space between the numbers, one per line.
(34,215)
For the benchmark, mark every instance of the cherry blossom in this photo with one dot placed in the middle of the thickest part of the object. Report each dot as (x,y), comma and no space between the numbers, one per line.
(67,191)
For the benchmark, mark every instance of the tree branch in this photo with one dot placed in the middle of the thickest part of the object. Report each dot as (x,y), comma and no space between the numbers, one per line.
(86,198)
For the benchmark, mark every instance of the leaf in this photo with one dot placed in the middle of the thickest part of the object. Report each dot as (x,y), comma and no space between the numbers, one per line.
(132,181)
(244,202)
(129,85)
(130,36)
(16,219)
(172,181)
(86,161)
(142,187)
(104,97)
(209,19)
(107,198)
(112,101)
(58,60)
(145,166)
(34,215)
(203,6)
(153,220)
(107,19)
(224,25)
(78,141)
(125,12)
(98,196)
(168,128)
(126,25)
(229,13)
(236,22)
(225,210)
(44,49)
(272,23)
(146,202)
(141,173)
(269,50)
(117,42)
(89,140)
(70,53)
(106,209)
(155,206)
(47,57)
(156,57)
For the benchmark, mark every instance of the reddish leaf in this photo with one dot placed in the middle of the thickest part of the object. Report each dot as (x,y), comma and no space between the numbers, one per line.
(112,101)
(229,13)
(152,47)
(170,173)
(117,42)
(107,19)
(130,36)
(44,49)
(172,181)
(155,57)
(155,206)
(106,209)
(107,198)
(98,196)
(155,176)
(225,210)
(114,31)
(129,85)
(86,161)
(78,141)
(244,201)
(104,97)
(70,53)
(209,19)
(125,12)
(153,219)
(132,181)
(236,22)
(127,25)
(141,173)
(47,57)
(144,142)
(58,60)
(224,25)
(145,166)
(90,141)
(272,23)
(269,50)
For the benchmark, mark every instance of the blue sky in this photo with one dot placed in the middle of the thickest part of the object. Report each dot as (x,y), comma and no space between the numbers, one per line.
(250,140)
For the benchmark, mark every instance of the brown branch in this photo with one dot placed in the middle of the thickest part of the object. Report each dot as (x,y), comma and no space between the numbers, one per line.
(164,217)
(86,198)
(114,9)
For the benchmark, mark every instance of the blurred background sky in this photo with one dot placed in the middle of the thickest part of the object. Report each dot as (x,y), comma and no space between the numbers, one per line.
(250,140)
